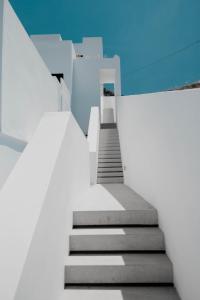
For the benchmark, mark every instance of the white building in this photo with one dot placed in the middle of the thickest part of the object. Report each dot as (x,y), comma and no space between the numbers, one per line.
(84,70)
(71,214)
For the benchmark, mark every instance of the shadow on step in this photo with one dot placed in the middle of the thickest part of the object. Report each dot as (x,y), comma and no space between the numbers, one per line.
(125,293)
(127,198)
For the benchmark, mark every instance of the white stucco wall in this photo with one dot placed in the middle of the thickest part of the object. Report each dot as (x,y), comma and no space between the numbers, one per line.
(57,54)
(10,151)
(93,142)
(86,86)
(28,90)
(65,96)
(1,40)
(91,47)
(36,209)
(108,103)
(159,136)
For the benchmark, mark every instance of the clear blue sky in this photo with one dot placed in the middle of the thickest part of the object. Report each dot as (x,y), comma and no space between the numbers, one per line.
(158,40)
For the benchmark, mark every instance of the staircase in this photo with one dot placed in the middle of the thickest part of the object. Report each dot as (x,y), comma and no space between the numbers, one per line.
(117,251)
(109,162)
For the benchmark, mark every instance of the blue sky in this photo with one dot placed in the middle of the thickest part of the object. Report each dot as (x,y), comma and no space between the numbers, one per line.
(158,41)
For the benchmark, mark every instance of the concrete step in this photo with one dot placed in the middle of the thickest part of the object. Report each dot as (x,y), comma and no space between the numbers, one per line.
(122,207)
(108,156)
(109,174)
(108,150)
(121,293)
(112,169)
(110,147)
(108,140)
(110,153)
(109,164)
(117,239)
(119,269)
(110,180)
(108,126)
(109,135)
(109,130)
(143,217)
(104,160)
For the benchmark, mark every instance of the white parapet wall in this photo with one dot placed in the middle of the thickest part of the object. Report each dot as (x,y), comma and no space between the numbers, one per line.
(36,209)
(1,42)
(27,87)
(108,102)
(160,145)
(93,141)
(10,151)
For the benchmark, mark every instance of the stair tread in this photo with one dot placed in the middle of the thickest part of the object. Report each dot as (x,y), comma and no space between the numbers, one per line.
(122,293)
(108,175)
(109,164)
(110,169)
(110,159)
(121,269)
(117,231)
(106,156)
(125,260)
(101,180)
(115,240)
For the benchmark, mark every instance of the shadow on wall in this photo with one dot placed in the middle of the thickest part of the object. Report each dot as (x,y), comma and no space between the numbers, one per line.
(12,143)
(10,151)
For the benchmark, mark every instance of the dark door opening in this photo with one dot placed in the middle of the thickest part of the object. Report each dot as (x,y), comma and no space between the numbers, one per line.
(108,89)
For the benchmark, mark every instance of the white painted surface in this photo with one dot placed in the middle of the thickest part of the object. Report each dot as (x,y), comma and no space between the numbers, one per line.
(1,40)
(108,115)
(35,209)
(87,88)
(91,47)
(93,141)
(159,136)
(108,103)
(65,96)
(28,90)
(10,151)
(57,54)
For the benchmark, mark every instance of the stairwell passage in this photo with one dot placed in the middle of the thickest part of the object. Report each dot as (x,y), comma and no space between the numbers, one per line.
(117,250)
(109,161)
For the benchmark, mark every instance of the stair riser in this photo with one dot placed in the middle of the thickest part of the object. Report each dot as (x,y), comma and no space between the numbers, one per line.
(117,243)
(109,157)
(136,274)
(109,150)
(103,160)
(102,170)
(110,165)
(98,218)
(110,180)
(111,174)
(110,154)
(122,293)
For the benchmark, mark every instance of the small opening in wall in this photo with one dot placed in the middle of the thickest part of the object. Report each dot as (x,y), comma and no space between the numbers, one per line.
(58,75)
(79,55)
(109,89)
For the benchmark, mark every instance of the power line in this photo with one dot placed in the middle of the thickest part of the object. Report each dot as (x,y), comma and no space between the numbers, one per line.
(168,56)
